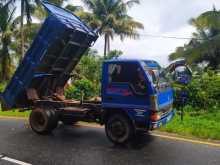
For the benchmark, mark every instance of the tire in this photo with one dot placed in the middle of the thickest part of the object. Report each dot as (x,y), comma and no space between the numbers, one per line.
(55,120)
(119,129)
(43,121)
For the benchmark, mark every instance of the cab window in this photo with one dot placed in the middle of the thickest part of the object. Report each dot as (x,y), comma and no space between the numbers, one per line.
(130,73)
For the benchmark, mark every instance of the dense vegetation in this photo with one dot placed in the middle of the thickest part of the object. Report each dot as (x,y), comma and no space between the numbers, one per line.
(202,108)
(204,47)
(201,111)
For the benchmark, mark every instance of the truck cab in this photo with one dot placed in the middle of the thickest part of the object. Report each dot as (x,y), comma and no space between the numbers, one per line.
(138,90)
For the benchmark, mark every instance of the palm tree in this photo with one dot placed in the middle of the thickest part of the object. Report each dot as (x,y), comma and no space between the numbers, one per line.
(205,45)
(27,7)
(6,26)
(110,18)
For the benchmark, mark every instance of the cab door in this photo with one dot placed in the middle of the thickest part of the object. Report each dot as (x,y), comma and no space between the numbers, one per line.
(125,86)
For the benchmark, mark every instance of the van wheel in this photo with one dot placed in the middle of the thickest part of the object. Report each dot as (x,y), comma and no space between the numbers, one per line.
(119,129)
(43,121)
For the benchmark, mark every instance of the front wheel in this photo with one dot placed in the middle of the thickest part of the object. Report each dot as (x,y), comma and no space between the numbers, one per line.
(119,129)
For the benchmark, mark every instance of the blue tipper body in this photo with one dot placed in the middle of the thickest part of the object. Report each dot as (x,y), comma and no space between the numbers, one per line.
(55,51)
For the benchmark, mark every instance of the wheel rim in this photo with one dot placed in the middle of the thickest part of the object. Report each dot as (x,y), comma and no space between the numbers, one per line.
(38,121)
(117,130)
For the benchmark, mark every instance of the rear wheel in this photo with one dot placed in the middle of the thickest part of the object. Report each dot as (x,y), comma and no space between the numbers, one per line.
(119,129)
(43,121)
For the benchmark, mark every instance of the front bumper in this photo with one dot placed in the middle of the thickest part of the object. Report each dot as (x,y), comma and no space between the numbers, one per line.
(157,124)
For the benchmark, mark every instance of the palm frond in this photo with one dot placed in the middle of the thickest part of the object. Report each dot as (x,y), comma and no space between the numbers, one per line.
(90,3)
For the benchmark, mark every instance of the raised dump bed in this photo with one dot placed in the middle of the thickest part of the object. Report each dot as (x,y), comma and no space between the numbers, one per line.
(55,51)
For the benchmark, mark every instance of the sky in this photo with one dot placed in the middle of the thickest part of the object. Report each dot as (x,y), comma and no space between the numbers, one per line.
(160,17)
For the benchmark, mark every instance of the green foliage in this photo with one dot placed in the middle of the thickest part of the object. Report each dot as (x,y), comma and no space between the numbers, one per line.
(80,88)
(6,32)
(30,32)
(113,54)
(204,91)
(206,43)
(15,113)
(2,86)
(74,9)
(57,2)
(89,67)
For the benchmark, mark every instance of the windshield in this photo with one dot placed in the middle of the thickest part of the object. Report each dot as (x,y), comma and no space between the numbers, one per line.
(154,70)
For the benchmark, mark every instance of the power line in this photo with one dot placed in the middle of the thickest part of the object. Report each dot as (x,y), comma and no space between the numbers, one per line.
(169,37)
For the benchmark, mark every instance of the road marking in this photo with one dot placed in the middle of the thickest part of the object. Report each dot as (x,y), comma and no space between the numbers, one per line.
(186,140)
(2,157)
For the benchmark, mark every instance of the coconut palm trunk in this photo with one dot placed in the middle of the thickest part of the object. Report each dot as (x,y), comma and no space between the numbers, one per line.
(106,45)
(6,13)
(22,29)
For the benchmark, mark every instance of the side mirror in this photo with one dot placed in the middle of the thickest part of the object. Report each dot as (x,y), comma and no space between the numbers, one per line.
(180,71)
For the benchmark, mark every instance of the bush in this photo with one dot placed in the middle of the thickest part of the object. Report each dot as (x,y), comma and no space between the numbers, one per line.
(2,86)
(203,93)
(80,87)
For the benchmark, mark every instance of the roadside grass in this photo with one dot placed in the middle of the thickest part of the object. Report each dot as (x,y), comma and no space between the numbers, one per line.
(14,113)
(205,125)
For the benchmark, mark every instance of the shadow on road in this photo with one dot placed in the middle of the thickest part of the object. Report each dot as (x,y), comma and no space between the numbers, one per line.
(139,142)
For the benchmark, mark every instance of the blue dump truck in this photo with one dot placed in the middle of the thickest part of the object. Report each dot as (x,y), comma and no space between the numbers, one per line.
(135,95)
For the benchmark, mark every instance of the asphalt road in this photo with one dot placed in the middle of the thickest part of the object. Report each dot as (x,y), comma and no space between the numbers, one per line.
(89,146)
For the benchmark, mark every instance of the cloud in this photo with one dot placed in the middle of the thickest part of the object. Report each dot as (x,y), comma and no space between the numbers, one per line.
(148,48)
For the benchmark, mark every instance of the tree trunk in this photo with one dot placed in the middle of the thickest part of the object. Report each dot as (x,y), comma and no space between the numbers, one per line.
(4,62)
(108,44)
(22,29)
(105,46)
(4,68)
